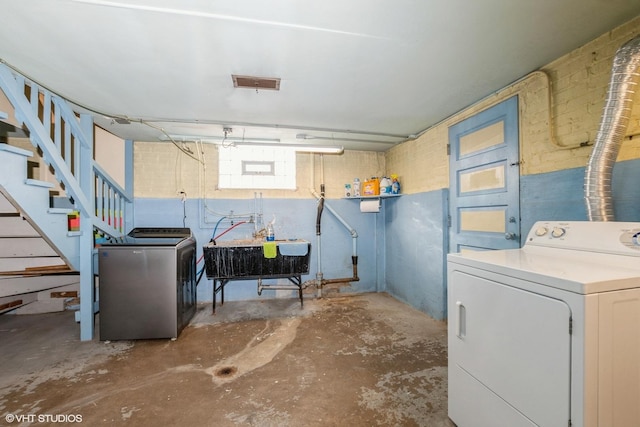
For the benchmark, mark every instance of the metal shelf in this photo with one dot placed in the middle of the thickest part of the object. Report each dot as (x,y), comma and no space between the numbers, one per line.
(379,196)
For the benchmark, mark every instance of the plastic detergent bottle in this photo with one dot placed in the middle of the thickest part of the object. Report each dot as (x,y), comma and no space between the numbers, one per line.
(347,190)
(395,184)
(270,234)
(385,185)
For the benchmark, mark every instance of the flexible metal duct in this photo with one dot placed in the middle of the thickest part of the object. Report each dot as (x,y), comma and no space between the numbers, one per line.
(613,125)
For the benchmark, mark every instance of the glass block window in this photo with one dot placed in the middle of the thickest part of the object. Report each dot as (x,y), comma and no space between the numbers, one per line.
(257,168)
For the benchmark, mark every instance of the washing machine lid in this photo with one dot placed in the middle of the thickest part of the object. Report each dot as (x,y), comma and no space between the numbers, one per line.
(151,236)
(143,241)
(159,232)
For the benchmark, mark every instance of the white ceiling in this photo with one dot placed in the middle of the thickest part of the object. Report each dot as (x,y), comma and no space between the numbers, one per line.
(365,74)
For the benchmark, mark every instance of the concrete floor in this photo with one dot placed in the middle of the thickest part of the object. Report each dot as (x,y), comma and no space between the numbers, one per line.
(362,360)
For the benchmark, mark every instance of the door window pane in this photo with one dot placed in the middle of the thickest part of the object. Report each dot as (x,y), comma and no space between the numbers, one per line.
(482,139)
(483,220)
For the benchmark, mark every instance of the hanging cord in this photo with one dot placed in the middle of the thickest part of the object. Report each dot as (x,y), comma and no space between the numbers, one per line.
(213,240)
(227,230)
(225,143)
(183,197)
(186,151)
(215,228)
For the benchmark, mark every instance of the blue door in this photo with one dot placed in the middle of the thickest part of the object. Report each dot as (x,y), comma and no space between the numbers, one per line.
(484,176)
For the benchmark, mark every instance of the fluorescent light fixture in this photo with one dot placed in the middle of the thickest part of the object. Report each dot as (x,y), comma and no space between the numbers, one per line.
(319,149)
(324,149)
(230,140)
(373,138)
(255,142)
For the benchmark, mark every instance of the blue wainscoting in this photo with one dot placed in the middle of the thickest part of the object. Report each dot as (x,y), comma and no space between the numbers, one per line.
(560,195)
(416,230)
(295,219)
(626,191)
(416,250)
(551,196)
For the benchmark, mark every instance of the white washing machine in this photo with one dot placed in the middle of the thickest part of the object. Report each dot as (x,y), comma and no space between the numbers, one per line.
(549,334)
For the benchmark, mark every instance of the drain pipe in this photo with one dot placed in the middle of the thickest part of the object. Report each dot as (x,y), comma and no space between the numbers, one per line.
(354,237)
(320,281)
(613,125)
(319,244)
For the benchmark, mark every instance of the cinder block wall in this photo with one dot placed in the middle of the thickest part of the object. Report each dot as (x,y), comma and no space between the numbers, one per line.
(162,171)
(577,84)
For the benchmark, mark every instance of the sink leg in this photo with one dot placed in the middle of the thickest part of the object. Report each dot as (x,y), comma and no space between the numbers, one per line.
(214,296)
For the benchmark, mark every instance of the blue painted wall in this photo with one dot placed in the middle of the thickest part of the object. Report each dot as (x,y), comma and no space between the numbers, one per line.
(416,248)
(417,234)
(551,196)
(401,250)
(560,195)
(295,218)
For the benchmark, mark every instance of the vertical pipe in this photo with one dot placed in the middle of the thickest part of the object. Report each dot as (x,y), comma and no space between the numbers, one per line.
(318,234)
(128,184)
(255,214)
(312,176)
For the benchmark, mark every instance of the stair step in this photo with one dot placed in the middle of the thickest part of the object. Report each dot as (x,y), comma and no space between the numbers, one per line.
(56,211)
(15,150)
(38,183)
(16,285)
(39,271)
(16,226)
(25,264)
(47,301)
(6,206)
(25,247)
(14,302)
(61,202)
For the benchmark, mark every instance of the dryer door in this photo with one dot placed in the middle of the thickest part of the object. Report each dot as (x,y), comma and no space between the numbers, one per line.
(509,355)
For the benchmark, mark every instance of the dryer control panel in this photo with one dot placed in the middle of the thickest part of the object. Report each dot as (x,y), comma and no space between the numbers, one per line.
(621,238)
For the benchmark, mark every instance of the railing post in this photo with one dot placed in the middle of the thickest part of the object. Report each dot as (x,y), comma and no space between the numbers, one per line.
(128,184)
(86,180)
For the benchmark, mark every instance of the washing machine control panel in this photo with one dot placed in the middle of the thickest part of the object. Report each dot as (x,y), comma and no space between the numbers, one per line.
(593,236)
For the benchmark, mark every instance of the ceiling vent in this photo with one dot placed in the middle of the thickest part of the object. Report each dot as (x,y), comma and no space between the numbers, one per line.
(252,82)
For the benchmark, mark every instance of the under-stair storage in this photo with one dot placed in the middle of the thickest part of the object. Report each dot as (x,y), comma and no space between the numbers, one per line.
(34,277)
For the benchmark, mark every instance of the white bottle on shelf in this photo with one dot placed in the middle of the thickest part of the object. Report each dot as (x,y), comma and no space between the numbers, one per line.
(355,188)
